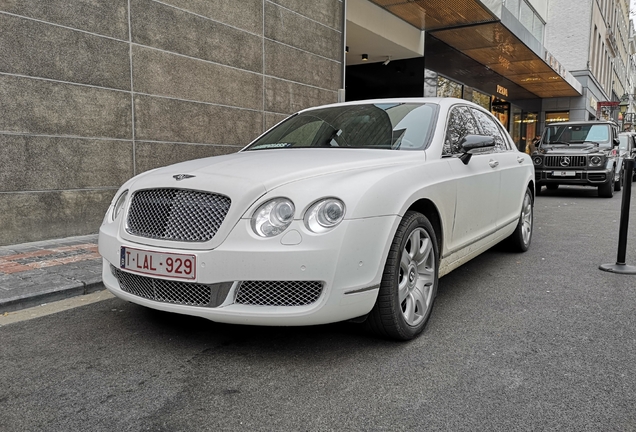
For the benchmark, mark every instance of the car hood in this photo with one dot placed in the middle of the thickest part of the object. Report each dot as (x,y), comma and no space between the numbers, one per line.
(267,169)
(577,149)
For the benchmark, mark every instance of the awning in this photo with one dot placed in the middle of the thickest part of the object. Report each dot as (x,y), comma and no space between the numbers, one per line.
(471,28)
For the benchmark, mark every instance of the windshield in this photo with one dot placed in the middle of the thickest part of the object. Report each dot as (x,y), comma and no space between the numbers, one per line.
(396,126)
(577,134)
(623,139)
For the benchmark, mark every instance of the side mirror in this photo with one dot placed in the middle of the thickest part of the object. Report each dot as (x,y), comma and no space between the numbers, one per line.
(616,142)
(472,142)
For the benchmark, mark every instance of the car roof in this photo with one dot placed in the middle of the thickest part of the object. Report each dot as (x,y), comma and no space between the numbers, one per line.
(565,123)
(442,101)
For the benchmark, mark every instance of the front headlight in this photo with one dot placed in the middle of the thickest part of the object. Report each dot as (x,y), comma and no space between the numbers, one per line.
(273,217)
(119,205)
(537,160)
(596,161)
(324,215)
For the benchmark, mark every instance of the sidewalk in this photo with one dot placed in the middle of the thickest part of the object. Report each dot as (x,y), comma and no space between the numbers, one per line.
(35,273)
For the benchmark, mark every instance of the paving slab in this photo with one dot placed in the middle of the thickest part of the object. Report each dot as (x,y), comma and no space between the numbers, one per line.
(40,272)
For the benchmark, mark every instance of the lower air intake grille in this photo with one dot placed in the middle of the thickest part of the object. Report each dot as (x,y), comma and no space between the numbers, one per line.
(278,293)
(168,291)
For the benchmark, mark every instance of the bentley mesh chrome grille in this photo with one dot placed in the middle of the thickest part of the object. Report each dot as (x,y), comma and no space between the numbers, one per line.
(168,291)
(176,214)
(565,161)
(278,293)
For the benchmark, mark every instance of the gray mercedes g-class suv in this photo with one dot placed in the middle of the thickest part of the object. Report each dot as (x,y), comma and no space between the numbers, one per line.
(578,153)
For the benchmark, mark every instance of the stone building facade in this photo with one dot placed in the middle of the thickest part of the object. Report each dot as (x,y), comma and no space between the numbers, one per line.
(94,92)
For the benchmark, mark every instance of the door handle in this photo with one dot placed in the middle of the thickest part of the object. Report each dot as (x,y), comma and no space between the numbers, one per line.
(493,163)
(519,159)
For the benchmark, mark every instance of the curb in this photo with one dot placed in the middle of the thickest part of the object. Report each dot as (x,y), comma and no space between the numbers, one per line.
(61,293)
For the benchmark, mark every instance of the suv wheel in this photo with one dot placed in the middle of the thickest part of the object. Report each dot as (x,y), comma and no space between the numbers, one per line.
(619,183)
(607,190)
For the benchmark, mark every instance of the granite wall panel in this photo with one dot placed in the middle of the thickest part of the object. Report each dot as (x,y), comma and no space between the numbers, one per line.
(170,120)
(161,73)
(31,48)
(288,97)
(243,14)
(160,26)
(53,108)
(327,12)
(298,31)
(108,18)
(38,163)
(292,64)
(34,216)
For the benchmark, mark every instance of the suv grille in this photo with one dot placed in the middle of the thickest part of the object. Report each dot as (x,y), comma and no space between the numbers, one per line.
(569,161)
(168,291)
(278,293)
(177,214)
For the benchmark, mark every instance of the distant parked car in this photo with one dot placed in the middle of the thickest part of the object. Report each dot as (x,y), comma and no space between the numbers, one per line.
(346,211)
(579,153)
(626,149)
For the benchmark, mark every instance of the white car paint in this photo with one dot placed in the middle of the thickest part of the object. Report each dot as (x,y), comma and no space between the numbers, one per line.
(478,203)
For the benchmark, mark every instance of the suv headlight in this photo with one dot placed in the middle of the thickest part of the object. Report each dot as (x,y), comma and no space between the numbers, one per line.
(537,160)
(324,215)
(273,217)
(596,161)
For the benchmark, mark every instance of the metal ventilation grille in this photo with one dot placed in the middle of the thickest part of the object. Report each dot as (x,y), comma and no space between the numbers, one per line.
(177,214)
(278,293)
(167,291)
(573,161)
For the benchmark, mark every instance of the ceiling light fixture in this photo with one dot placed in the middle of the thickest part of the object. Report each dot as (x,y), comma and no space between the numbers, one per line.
(365,57)
(387,61)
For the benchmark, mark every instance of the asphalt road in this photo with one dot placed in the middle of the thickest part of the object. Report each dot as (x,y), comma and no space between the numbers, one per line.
(534,341)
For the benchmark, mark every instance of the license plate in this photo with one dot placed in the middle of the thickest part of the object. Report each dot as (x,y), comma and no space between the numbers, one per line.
(174,265)
(563,173)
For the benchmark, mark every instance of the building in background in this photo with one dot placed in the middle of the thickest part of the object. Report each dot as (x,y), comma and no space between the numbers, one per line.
(593,40)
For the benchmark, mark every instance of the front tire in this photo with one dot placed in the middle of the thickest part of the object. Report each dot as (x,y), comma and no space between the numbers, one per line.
(409,282)
(619,183)
(607,190)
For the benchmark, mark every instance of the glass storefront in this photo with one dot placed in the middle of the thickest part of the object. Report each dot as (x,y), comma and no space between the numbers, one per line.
(448,88)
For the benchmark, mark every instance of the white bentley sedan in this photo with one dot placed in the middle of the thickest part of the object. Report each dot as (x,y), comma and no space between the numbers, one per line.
(349,211)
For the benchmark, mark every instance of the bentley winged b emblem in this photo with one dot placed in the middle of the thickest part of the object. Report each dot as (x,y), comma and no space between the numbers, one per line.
(179,177)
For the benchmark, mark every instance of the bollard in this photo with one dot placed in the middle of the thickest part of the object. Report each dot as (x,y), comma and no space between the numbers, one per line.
(620,266)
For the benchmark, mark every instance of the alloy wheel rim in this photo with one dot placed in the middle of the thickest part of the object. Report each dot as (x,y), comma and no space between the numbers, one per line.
(416,277)
(526,219)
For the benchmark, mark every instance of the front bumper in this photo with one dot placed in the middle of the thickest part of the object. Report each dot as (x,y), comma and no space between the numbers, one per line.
(348,263)
(544,176)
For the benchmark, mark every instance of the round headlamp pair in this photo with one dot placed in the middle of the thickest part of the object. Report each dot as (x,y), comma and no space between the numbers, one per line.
(274,216)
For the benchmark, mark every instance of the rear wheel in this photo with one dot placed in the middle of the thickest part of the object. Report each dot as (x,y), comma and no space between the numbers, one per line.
(409,282)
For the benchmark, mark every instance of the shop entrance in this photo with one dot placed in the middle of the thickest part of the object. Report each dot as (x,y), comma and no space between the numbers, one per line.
(397,78)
